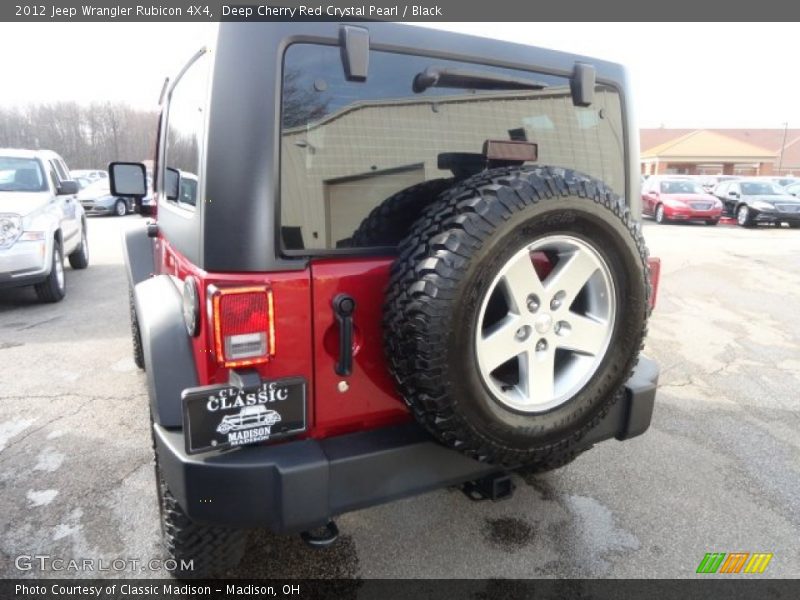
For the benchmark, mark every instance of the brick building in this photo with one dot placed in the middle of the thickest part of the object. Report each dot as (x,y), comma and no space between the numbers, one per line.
(720,151)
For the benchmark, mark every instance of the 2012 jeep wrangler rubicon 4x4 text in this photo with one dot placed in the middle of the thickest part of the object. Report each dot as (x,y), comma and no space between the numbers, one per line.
(419,252)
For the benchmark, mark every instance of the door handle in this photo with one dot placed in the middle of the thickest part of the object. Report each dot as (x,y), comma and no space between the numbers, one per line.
(343,308)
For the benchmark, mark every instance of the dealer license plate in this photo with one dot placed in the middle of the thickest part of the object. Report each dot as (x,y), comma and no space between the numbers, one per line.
(221,416)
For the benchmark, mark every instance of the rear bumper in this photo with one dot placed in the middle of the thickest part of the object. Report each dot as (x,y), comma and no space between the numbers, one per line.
(299,485)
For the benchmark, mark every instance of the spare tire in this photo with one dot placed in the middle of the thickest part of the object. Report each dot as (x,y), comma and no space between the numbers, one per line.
(391,220)
(515,312)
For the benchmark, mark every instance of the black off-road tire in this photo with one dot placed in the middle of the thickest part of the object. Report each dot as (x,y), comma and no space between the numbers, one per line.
(211,549)
(444,268)
(50,290)
(79,259)
(136,335)
(391,220)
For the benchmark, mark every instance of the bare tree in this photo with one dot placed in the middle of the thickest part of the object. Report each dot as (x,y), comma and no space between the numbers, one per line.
(302,103)
(88,137)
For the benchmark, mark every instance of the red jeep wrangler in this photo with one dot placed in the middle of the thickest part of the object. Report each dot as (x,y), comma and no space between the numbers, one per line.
(419,252)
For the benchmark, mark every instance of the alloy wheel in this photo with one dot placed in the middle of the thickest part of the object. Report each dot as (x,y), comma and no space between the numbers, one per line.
(543,331)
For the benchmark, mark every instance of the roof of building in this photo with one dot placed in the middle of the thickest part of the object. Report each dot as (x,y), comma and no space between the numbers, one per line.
(653,141)
(706,144)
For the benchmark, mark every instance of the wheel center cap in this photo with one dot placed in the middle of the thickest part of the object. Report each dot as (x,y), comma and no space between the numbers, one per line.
(543,323)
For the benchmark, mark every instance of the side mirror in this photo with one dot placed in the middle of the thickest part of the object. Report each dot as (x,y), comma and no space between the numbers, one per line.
(172,183)
(127,179)
(67,188)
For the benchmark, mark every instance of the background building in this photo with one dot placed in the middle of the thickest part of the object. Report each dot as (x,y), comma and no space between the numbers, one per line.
(720,151)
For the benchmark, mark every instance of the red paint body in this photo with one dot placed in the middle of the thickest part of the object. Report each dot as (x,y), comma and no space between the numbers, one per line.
(306,337)
(683,207)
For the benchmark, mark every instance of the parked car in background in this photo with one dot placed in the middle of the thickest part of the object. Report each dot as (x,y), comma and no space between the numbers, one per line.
(147,205)
(40,222)
(781,181)
(90,174)
(677,199)
(82,181)
(754,201)
(793,189)
(96,199)
(709,182)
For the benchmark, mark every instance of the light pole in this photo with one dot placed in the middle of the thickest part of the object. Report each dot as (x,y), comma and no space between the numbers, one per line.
(783,146)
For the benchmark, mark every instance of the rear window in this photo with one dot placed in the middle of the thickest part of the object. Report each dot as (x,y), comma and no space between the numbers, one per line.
(346,146)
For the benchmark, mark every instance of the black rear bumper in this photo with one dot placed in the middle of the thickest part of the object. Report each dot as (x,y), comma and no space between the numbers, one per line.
(299,485)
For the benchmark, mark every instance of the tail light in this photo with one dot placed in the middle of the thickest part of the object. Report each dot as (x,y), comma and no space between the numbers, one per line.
(244,325)
(654,264)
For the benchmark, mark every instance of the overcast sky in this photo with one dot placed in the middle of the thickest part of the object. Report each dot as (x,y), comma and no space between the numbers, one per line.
(684,74)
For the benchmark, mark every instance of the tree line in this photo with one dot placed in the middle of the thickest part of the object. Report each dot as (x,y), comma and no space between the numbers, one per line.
(86,136)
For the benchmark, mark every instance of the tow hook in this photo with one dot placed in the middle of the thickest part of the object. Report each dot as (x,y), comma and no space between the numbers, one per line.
(321,537)
(497,486)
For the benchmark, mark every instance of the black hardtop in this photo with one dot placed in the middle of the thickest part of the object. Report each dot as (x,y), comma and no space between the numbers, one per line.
(236,224)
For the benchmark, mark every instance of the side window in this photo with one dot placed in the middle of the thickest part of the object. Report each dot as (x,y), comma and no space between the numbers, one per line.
(185,136)
(57,172)
(55,178)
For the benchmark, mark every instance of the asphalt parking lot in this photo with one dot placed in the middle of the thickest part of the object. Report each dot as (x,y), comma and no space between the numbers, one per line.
(719,471)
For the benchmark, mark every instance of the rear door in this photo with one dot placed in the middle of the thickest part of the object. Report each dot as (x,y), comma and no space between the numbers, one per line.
(350,143)
(362,397)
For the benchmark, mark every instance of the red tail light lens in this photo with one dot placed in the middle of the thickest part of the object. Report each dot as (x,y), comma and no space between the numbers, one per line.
(655,275)
(244,325)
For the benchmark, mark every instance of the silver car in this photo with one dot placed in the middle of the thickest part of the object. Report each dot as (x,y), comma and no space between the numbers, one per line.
(96,199)
(41,222)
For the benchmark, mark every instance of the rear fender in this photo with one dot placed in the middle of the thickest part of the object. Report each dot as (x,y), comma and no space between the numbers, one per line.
(168,355)
(139,254)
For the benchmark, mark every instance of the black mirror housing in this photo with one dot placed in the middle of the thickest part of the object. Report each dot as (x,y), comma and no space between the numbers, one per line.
(127,179)
(67,188)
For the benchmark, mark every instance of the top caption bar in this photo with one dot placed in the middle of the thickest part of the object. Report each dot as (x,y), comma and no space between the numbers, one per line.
(388,10)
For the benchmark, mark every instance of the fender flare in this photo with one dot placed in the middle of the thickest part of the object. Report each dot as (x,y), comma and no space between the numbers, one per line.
(139,254)
(167,348)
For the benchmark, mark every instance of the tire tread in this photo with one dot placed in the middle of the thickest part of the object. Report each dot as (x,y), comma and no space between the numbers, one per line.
(438,246)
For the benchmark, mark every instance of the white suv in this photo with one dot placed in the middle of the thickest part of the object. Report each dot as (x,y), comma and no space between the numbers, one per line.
(40,222)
